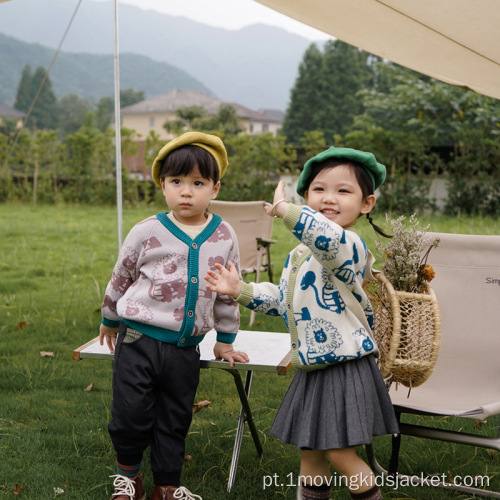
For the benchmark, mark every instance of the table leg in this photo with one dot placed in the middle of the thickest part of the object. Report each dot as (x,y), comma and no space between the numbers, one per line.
(245,416)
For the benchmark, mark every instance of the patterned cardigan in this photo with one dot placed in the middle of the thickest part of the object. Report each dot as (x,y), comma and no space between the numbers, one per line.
(322,330)
(157,285)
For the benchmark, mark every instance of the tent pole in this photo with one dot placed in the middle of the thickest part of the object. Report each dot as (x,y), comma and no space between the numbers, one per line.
(118,139)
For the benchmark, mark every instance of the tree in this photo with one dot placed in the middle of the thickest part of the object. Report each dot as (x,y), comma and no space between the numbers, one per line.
(72,112)
(185,118)
(305,99)
(313,143)
(25,92)
(225,122)
(324,96)
(434,112)
(106,106)
(131,96)
(256,162)
(90,158)
(36,90)
(412,118)
(46,159)
(344,73)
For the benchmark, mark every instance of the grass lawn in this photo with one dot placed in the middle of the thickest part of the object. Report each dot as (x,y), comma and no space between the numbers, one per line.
(55,263)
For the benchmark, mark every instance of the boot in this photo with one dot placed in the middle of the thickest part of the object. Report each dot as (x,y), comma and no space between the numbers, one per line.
(173,493)
(128,488)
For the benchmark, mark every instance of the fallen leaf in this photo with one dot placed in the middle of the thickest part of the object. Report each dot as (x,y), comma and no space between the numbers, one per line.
(479,423)
(201,404)
(188,458)
(89,387)
(21,325)
(46,354)
(18,489)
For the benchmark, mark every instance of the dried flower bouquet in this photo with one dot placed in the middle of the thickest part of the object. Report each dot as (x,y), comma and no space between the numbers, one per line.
(407,320)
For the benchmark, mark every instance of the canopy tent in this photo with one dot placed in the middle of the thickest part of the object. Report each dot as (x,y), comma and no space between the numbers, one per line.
(456,41)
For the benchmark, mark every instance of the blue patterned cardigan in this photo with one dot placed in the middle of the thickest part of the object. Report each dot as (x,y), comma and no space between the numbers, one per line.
(322,330)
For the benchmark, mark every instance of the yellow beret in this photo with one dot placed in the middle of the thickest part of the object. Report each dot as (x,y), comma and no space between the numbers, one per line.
(211,143)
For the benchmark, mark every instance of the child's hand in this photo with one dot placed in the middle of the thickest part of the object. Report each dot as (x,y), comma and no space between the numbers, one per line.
(226,352)
(227,282)
(109,333)
(279,196)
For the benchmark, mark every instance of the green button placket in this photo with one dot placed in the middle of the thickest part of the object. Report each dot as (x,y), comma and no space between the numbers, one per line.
(193,278)
(295,264)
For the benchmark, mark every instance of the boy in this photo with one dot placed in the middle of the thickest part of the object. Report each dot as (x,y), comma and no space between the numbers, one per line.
(161,309)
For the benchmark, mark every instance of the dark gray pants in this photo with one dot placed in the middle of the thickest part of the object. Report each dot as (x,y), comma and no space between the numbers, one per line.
(154,386)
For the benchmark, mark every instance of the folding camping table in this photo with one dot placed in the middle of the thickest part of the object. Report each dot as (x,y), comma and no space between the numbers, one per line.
(268,352)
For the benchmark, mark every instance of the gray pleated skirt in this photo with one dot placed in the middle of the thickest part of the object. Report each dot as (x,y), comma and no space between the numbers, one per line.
(341,406)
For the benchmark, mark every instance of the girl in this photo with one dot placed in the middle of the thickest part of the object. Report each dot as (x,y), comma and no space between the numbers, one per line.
(337,399)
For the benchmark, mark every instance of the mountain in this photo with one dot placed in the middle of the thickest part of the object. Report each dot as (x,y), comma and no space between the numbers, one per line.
(255,66)
(88,75)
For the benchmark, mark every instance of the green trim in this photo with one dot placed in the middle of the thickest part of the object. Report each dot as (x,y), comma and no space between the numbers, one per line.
(246,294)
(168,336)
(226,338)
(296,262)
(292,216)
(110,322)
(183,336)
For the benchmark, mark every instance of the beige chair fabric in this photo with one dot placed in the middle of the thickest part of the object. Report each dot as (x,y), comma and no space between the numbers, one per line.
(466,378)
(253,227)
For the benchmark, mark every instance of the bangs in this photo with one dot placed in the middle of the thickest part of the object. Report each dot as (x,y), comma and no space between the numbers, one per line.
(185,160)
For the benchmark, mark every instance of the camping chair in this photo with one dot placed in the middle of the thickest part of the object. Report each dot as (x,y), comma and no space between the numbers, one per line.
(253,228)
(466,380)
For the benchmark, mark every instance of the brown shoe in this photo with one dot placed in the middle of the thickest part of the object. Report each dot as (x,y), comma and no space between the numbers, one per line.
(173,493)
(128,488)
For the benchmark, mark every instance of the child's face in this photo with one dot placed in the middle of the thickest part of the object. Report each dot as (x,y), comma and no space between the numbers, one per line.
(335,192)
(188,196)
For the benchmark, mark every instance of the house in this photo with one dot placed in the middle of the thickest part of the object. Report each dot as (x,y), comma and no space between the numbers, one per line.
(259,122)
(7,113)
(151,114)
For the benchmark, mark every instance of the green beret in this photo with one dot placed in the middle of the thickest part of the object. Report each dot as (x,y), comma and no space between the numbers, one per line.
(375,170)
(211,143)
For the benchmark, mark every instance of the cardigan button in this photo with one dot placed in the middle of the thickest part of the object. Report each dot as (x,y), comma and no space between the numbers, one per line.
(182,341)
(294,269)
(194,279)
(294,345)
(195,245)
(190,313)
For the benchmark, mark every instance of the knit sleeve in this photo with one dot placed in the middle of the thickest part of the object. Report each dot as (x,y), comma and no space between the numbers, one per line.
(342,252)
(261,297)
(226,311)
(125,272)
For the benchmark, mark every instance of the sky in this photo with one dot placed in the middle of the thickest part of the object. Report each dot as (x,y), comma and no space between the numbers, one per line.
(229,14)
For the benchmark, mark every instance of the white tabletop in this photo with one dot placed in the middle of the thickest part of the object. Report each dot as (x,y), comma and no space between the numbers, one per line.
(268,351)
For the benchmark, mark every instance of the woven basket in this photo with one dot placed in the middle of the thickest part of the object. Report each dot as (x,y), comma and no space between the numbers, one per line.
(407,330)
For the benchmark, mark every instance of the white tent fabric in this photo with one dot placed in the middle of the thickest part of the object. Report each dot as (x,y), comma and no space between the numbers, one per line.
(456,41)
